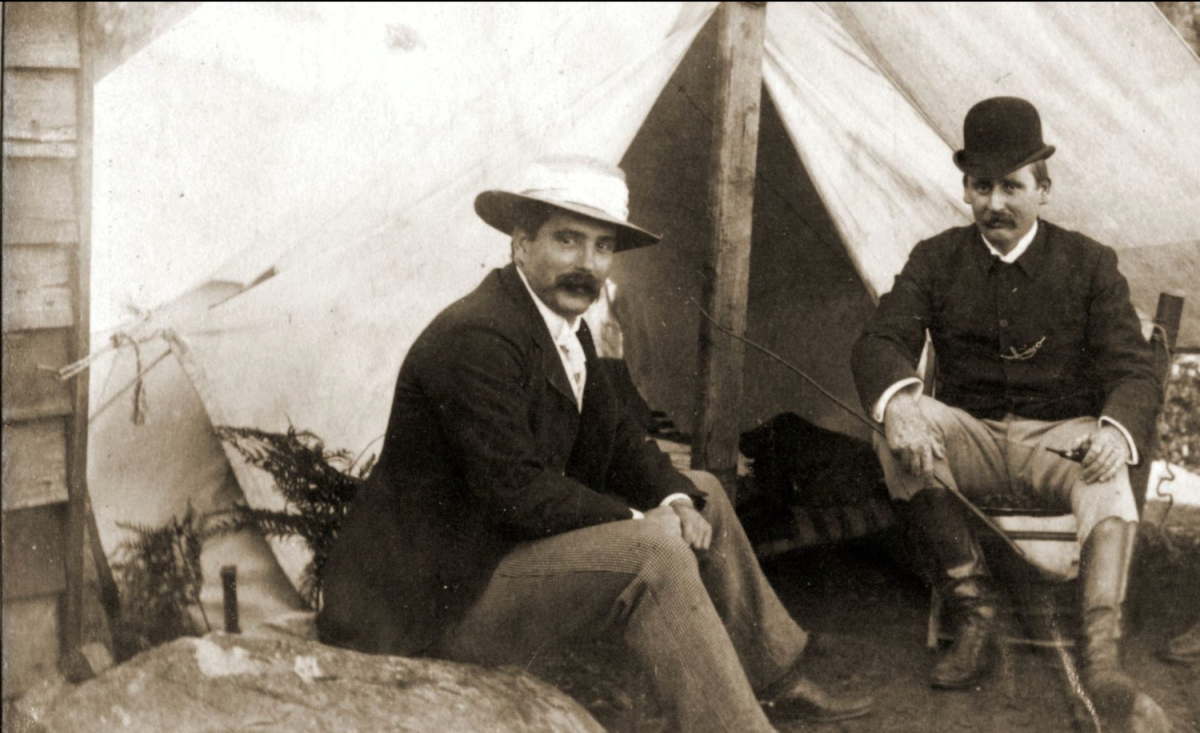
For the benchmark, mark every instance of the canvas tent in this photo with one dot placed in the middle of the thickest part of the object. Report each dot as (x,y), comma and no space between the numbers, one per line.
(332,202)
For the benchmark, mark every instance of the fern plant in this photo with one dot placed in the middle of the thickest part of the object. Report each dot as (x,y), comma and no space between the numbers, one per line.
(158,569)
(317,486)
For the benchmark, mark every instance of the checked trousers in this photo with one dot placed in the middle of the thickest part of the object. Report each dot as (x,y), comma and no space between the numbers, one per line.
(706,627)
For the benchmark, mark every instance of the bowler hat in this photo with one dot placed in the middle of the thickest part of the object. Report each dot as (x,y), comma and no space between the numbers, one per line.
(580,185)
(1000,135)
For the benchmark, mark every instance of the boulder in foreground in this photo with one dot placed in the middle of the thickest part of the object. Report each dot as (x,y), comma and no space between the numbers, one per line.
(224,682)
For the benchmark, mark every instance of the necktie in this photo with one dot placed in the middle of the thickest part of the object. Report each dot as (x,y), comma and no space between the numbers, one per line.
(576,364)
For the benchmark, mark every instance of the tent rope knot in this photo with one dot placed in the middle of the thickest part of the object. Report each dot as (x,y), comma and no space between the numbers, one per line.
(139,387)
(119,340)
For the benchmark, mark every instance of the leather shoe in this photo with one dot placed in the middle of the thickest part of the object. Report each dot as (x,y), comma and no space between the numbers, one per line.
(797,697)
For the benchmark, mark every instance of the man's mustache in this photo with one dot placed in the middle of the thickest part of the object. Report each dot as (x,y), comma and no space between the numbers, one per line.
(580,283)
(999,220)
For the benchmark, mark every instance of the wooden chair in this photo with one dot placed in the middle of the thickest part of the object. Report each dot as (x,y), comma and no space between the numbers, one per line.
(1038,605)
(1048,537)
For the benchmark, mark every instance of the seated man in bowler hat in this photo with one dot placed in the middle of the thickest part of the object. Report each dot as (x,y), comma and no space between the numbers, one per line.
(518,505)
(1037,347)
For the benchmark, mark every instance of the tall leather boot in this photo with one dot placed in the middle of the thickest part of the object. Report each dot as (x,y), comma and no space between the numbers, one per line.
(938,525)
(1104,568)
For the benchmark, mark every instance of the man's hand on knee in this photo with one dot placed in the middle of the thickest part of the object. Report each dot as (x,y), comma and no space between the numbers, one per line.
(910,437)
(697,532)
(665,520)
(1107,451)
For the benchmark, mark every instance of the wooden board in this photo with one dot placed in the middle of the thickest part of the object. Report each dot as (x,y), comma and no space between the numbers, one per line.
(78,510)
(738,95)
(37,288)
(32,388)
(41,126)
(40,104)
(40,149)
(30,642)
(33,551)
(35,464)
(44,35)
(39,201)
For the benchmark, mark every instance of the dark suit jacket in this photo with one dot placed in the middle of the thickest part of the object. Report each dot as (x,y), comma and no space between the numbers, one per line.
(485,448)
(1064,293)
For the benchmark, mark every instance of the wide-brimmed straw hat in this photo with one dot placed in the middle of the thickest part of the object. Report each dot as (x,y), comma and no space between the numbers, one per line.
(1000,135)
(580,185)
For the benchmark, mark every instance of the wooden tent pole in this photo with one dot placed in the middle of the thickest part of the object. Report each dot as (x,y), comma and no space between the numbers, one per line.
(77,497)
(738,94)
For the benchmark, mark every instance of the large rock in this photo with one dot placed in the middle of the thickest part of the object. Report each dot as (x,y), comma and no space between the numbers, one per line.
(287,684)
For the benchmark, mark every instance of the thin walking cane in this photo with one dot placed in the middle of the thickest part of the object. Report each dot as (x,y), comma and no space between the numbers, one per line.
(988,521)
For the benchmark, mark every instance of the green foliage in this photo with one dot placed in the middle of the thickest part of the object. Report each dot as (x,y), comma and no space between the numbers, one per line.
(1179,423)
(317,486)
(158,567)
(158,570)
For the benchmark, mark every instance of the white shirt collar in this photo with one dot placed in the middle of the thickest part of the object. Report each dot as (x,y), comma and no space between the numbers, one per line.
(1017,251)
(560,328)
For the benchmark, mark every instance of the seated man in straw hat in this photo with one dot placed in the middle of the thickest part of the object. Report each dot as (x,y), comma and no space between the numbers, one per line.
(516,503)
(1038,350)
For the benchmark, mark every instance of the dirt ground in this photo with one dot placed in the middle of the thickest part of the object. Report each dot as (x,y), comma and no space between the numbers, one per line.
(870,615)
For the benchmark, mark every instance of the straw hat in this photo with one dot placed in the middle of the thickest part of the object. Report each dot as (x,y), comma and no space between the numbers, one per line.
(580,185)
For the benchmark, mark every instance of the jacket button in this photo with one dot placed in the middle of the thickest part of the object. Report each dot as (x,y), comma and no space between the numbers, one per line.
(1003,323)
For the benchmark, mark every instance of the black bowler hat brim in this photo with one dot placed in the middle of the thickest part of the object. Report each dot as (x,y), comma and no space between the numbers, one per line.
(989,166)
(502,210)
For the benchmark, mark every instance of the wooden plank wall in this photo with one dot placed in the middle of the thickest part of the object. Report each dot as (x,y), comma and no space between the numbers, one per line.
(44,329)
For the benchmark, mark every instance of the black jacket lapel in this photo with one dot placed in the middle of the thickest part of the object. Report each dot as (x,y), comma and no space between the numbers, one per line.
(552,365)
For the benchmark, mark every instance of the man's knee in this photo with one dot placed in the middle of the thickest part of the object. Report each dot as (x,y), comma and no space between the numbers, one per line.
(1100,491)
(1093,503)
(655,556)
(717,506)
(901,484)
(943,418)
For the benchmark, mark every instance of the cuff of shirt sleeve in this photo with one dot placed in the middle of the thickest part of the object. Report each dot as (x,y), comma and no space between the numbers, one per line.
(671,499)
(637,514)
(1133,451)
(882,403)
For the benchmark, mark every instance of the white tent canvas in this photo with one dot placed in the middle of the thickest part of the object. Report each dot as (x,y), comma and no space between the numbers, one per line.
(331,187)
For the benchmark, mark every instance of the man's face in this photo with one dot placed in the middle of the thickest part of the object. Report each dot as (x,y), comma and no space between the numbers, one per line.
(566,261)
(1005,208)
